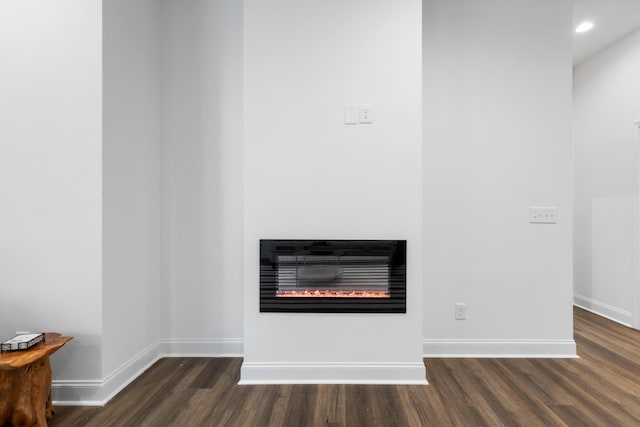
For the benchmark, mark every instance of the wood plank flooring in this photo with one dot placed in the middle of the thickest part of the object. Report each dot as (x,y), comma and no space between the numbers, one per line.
(602,388)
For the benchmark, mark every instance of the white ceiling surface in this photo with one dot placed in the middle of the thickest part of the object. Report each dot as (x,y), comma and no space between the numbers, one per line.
(613,20)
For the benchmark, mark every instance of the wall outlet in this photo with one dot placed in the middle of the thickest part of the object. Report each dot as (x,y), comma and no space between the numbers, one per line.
(543,215)
(461,311)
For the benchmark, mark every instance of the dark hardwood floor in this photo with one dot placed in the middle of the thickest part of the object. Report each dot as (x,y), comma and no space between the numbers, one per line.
(602,388)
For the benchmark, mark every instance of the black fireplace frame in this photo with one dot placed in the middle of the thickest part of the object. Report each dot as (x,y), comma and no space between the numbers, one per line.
(396,250)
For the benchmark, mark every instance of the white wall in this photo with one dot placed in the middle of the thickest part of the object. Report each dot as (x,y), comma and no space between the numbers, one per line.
(497,140)
(310,176)
(131,181)
(202,137)
(171,215)
(606,104)
(496,114)
(50,176)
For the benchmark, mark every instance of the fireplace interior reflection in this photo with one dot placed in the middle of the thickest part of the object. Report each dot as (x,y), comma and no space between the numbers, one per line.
(317,276)
(333,276)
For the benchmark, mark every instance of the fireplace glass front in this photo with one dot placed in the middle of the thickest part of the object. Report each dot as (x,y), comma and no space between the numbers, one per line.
(333,276)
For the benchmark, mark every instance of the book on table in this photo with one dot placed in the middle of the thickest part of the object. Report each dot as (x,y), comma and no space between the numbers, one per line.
(22,342)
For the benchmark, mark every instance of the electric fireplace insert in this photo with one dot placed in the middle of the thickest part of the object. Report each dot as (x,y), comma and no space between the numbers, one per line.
(333,276)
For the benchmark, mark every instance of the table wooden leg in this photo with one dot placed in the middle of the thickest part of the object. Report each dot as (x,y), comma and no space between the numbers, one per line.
(26,395)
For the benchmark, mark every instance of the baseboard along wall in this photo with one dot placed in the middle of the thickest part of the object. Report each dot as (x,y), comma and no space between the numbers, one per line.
(605,310)
(99,392)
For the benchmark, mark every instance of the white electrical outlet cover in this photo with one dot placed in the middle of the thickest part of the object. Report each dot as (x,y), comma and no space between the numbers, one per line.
(365,113)
(461,311)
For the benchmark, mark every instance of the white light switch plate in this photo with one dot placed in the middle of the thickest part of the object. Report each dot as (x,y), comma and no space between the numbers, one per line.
(543,215)
(351,114)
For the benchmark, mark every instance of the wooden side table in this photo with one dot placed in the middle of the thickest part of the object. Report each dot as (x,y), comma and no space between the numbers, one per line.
(25,383)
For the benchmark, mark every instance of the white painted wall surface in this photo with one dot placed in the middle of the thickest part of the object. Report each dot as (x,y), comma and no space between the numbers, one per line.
(309,176)
(50,176)
(606,104)
(497,140)
(497,106)
(131,181)
(202,137)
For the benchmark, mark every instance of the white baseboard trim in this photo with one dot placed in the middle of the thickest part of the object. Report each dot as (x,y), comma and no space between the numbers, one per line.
(99,392)
(500,348)
(78,393)
(605,310)
(333,373)
(202,348)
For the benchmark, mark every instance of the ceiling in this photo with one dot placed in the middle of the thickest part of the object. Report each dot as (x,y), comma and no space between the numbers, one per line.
(613,20)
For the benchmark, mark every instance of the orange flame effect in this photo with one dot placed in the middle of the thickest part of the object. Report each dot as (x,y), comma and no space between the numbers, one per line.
(325,293)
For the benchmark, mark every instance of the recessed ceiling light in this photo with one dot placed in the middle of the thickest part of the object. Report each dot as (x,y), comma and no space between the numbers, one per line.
(584,27)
